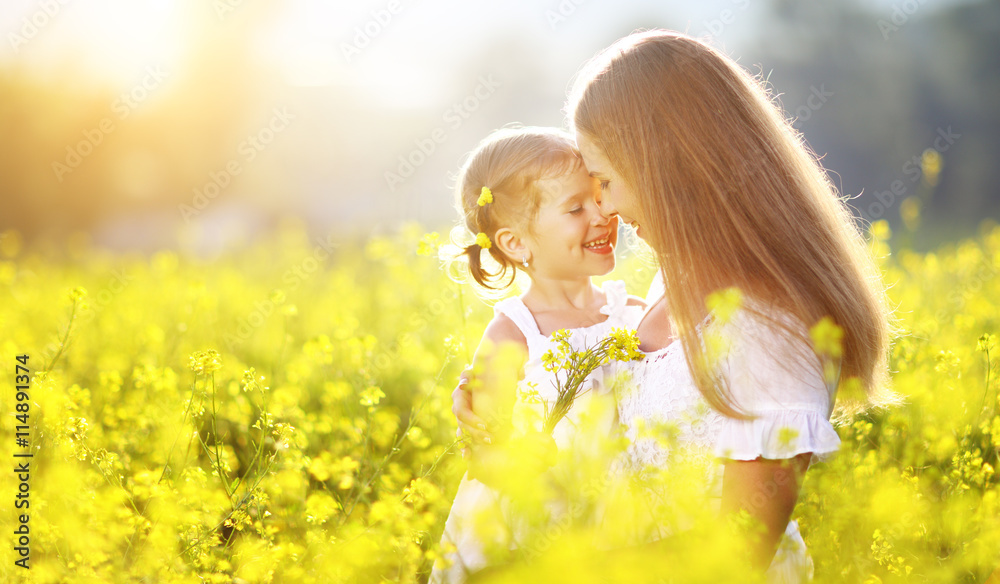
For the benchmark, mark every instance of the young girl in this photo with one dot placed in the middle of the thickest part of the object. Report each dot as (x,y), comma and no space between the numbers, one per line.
(527,197)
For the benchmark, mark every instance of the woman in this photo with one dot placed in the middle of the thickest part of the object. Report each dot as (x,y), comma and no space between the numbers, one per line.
(692,153)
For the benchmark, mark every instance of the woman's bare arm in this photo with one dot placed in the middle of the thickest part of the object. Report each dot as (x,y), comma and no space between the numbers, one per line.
(767,490)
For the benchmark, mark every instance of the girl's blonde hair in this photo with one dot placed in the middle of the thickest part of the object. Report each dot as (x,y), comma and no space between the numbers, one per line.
(731,196)
(509,162)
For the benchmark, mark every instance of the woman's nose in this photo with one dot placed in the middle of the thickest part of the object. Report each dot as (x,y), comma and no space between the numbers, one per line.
(607,209)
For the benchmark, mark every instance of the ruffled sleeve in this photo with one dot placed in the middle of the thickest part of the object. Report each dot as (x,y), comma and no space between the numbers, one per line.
(777,434)
(780,383)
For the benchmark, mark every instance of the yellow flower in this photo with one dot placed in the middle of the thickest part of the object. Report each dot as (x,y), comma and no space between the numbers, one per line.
(909,210)
(549,361)
(319,507)
(483,241)
(428,244)
(205,362)
(252,381)
(485,196)
(561,336)
(371,396)
(787,437)
(625,345)
(724,303)
(826,337)
(930,165)
(880,230)
(77,294)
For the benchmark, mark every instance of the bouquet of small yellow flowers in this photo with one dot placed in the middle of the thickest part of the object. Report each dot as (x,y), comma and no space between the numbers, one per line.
(531,448)
(571,367)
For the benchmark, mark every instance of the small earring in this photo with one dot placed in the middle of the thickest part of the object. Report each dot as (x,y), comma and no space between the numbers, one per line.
(524,261)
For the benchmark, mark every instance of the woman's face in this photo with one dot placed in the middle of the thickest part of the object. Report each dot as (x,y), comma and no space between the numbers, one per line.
(616,198)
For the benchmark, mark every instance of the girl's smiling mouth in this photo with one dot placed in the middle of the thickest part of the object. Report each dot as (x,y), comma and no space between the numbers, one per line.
(601,246)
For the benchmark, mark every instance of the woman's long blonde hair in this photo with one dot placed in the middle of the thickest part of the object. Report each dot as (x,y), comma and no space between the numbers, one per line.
(731,196)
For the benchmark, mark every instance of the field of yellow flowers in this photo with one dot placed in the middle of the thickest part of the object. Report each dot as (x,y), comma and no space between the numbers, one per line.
(281,413)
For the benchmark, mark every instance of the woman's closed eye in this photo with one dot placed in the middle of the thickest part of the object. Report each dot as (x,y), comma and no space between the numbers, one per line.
(604,185)
(576,210)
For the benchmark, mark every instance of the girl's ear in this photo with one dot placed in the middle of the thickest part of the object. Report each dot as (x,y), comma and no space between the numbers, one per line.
(512,245)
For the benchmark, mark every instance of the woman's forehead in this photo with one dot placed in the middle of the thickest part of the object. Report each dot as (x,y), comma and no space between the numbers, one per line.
(556,189)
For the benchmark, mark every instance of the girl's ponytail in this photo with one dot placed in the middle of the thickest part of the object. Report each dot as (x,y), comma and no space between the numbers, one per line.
(484,277)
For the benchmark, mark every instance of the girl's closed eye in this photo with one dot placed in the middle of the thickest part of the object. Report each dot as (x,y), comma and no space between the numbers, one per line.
(576,210)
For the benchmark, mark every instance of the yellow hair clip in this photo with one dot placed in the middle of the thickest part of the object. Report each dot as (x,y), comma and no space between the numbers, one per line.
(485,196)
(483,241)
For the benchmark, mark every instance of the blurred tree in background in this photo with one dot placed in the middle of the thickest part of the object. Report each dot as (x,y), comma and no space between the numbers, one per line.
(902,83)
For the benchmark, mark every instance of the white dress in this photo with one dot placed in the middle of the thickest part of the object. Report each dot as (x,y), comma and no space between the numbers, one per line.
(478,511)
(791,409)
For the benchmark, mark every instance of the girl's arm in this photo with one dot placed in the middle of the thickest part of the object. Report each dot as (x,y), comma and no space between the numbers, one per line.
(473,421)
(497,367)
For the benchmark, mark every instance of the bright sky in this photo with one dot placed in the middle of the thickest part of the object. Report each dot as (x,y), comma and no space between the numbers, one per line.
(119,38)
(404,60)
(428,40)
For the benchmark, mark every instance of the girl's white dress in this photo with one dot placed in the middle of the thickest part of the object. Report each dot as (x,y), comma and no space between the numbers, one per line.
(768,377)
(472,511)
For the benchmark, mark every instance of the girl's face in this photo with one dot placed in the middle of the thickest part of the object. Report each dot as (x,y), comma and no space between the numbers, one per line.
(570,236)
(617,199)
